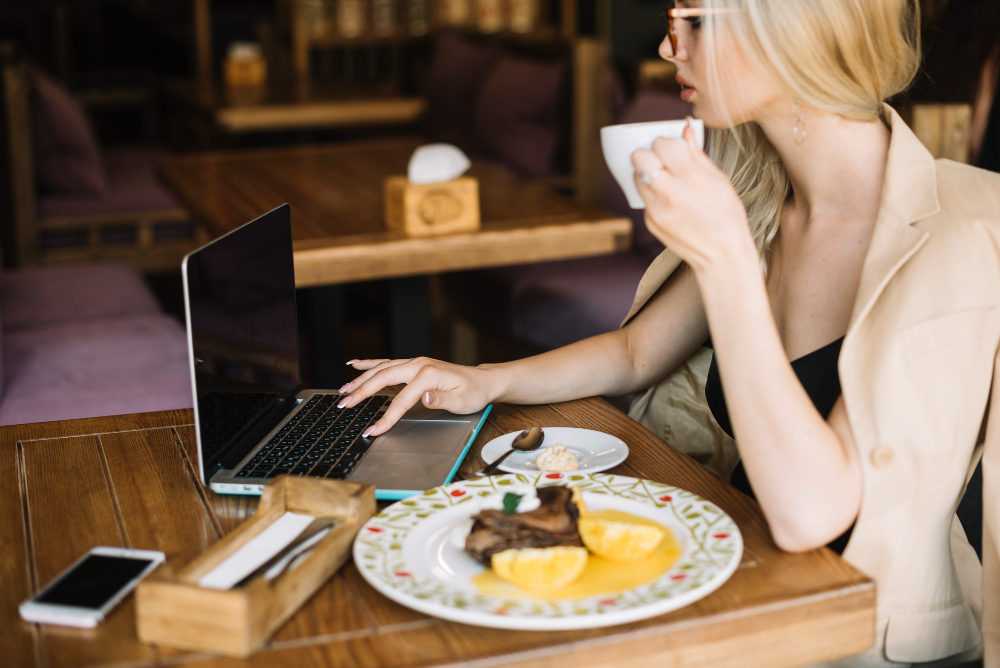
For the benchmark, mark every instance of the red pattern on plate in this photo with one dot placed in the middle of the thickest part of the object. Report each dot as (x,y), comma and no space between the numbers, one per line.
(554,476)
(720,536)
(375,530)
(458,492)
(666,498)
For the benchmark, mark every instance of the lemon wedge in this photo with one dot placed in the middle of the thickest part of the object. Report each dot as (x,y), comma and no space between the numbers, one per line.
(619,541)
(540,566)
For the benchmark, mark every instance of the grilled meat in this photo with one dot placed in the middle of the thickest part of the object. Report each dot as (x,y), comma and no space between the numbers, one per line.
(552,524)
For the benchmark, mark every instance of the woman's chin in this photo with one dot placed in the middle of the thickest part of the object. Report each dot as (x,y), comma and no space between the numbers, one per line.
(712,121)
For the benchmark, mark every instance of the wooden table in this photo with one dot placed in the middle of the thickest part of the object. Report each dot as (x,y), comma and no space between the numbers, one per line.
(338,226)
(131,481)
(291,105)
(339,235)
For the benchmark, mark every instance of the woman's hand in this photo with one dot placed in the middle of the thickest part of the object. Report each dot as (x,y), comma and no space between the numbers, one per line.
(439,385)
(691,206)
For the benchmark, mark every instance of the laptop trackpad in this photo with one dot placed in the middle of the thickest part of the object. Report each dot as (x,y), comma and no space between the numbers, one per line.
(424,437)
(415,454)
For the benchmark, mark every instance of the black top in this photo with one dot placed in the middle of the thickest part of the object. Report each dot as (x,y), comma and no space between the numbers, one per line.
(817,371)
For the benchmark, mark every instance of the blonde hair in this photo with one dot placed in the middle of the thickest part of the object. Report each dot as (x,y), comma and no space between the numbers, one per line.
(843,56)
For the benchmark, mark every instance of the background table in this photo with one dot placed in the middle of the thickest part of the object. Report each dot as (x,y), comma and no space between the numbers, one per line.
(339,235)
(132,481)
(338,227)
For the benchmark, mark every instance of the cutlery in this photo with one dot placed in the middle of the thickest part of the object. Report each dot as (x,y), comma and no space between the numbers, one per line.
(296,555)
(312,534)
(526,441)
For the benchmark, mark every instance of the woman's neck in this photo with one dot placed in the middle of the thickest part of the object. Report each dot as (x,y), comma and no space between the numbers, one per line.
(836,172)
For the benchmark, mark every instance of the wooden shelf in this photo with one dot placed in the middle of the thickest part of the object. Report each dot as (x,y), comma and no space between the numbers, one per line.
(286,105)
(302,43)
(542,34)
(365,40)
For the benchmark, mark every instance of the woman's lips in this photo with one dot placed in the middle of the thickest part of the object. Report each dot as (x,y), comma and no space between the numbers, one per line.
(687,90)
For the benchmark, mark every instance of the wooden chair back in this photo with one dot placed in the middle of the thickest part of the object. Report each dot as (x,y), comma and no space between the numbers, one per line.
(943,128)
(21,166)
(143,248)
(591,112)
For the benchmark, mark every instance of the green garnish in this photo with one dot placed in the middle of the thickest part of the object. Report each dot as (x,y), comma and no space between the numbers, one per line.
(510,503)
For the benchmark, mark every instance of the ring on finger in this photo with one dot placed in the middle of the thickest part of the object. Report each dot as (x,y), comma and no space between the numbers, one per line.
(647,177)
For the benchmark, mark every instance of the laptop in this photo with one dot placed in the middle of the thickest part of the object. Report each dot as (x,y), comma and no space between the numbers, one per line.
(253,419)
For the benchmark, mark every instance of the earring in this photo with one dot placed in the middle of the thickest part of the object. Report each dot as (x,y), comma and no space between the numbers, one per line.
(799,129)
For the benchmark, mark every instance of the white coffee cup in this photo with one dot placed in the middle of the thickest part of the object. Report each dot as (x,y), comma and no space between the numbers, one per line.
(621,141)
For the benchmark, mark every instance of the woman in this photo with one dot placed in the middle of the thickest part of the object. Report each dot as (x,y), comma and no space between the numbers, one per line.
(817,229)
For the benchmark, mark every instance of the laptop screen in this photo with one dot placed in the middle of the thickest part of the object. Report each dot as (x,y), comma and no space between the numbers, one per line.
(240,297)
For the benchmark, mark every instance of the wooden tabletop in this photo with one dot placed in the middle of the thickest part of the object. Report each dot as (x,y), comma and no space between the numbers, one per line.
(337,212)
(131,481)
(293,104)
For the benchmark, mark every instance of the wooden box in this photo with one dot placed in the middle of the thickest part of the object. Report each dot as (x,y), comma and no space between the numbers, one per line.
(172,610)
(433,208)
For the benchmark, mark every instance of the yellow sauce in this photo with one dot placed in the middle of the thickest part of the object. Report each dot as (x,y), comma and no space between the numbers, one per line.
(601,576)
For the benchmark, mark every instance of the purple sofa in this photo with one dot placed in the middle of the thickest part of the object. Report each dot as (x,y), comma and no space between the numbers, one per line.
(85,341)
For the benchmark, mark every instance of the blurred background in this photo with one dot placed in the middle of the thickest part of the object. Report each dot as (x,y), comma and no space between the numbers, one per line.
(132,129)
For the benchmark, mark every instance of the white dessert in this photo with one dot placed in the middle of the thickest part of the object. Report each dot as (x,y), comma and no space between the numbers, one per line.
(557,458)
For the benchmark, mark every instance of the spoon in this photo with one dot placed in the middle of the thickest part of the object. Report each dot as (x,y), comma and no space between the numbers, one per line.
(526,441)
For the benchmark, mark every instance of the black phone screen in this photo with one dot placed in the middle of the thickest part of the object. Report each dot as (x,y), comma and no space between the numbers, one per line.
(94,581)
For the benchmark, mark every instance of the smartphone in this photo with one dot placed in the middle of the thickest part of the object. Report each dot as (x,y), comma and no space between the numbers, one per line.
(86,592)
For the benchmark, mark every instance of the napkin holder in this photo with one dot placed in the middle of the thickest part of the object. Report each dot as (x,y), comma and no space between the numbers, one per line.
(433,208)
(172,610)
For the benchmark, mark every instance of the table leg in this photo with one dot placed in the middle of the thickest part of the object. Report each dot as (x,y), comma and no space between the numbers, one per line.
(409,317)
(326,317)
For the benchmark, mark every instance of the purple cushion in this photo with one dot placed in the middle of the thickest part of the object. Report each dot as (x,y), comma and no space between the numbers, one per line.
(42,296)
(517,113)
(557,303)
(647,106)
(132,186)
(66,155)
(94,368)
(552,304)
(453,80)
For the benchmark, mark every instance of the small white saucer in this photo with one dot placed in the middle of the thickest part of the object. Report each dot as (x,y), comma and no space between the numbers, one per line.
(595,451)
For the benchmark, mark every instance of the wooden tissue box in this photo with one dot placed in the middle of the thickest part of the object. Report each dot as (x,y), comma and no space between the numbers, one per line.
(433,208)
(172,610)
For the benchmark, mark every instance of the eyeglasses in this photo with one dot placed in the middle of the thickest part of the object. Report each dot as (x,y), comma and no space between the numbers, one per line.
(693,15)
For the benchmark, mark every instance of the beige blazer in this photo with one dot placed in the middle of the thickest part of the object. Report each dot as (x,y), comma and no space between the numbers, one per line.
(916,368)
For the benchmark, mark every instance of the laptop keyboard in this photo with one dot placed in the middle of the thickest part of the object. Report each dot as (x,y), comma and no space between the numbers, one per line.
(226,414)
(321,440)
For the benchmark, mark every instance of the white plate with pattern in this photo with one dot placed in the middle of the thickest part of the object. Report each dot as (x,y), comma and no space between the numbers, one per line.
(595,451)
(406,553)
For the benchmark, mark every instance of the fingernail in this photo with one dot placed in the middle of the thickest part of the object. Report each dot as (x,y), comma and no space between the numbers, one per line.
(346,387)
(367,432)
(351,363)
(343,402)
(428,398)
